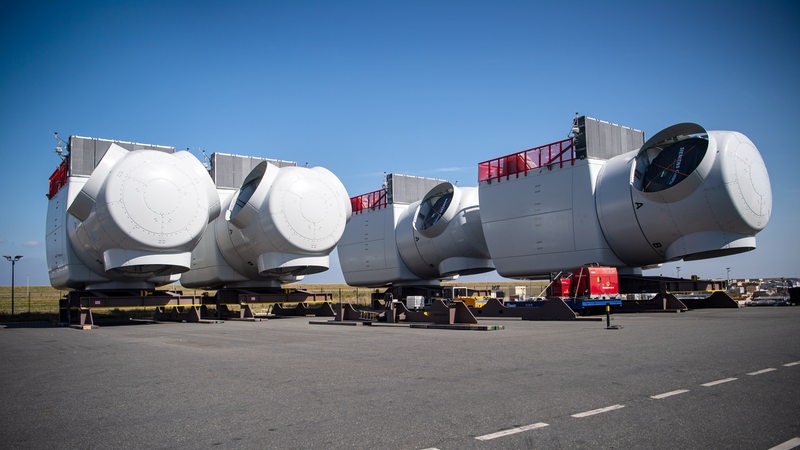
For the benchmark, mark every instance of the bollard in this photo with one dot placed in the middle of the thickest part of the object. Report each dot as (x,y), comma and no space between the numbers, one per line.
(608,319)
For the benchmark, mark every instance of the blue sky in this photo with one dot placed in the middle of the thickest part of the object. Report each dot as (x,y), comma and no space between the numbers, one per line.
(426,88)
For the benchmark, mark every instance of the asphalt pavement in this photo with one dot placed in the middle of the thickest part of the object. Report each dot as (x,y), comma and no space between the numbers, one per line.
(727,378)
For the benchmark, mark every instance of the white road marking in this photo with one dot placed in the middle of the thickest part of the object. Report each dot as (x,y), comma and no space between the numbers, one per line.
(669,394)
(510,431)
(759,372)
(714,383)
(791,443)
(788,445)
(598,411)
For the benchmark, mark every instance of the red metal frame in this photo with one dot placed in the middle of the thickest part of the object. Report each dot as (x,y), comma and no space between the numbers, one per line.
(370,200)
(58,179)
(560,153)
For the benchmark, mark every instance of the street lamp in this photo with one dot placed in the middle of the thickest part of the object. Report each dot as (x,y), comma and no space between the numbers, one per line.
(728,274)
(13,260)
(678,269)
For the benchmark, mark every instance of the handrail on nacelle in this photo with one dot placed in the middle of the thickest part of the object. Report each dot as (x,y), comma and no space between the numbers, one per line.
(58,179)
(556,153)
(371,200)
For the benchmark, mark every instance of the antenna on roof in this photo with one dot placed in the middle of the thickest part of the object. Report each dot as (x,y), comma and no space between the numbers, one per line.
(206,159)
(60,145)
(575,130)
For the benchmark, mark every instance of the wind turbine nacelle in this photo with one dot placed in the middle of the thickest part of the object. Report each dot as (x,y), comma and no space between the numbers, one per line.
(431,238)
(441,236)
(131,220)
(686,193)
(280,225)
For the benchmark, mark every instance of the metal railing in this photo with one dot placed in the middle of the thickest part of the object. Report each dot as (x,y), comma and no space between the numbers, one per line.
(58,179)
(551,155)
(371,200)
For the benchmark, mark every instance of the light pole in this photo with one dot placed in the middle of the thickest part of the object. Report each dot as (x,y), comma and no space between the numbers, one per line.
(727,275)
(678,269)
(13,260)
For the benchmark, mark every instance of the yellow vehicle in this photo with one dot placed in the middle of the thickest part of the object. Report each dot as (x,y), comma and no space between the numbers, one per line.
(472,302)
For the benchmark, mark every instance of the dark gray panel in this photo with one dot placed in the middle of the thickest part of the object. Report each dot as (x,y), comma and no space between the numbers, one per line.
(604,140)
(407,188)
(229,171)
(86,152)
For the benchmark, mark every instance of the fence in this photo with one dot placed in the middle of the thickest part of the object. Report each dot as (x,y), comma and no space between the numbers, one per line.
(551,155)
(370,200)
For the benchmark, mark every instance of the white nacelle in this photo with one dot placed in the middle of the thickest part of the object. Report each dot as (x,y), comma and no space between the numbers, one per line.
(132,223)
(280,225)
(687,194)
(437,237)
(441,235)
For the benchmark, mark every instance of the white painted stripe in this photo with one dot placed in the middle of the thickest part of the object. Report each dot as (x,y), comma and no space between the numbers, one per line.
(791,443)
(759,372)
(598,411)
(510,431)
(796,363)
(669,394)
(714,383)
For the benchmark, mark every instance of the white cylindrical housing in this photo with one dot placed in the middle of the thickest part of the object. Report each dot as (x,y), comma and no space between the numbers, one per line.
(441,235)
(283,221)
(686,194)
(142,212)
